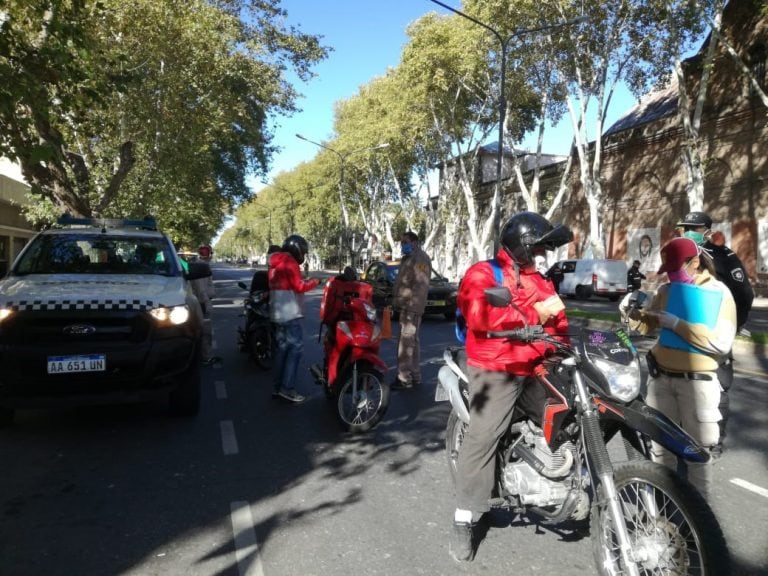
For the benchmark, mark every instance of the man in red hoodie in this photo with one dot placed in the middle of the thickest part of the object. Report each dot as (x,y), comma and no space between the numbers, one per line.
(286,299)
(498,368)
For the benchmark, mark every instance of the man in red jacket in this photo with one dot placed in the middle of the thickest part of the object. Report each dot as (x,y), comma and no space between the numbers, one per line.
(286,299)
(498,368)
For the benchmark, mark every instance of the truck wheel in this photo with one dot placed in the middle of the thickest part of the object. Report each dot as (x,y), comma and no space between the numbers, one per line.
(582,292)
(6,416)
(185,399)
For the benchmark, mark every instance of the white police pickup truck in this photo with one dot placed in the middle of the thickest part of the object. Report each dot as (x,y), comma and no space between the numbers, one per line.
(98,311)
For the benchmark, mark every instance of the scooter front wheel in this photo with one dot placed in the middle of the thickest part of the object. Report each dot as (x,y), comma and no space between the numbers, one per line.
(361,398)
(260,348)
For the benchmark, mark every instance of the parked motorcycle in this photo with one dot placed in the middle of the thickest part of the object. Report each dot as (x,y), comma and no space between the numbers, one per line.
(554,462)
(352,374)
(256,334)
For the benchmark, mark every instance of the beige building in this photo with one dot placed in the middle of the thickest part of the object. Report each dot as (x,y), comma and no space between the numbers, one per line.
(15,231)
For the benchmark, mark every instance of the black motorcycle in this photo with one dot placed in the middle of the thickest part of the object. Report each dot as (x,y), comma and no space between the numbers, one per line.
(554,461)
(256,335)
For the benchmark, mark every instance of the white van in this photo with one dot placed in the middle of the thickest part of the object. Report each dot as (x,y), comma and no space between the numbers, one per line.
(584,278)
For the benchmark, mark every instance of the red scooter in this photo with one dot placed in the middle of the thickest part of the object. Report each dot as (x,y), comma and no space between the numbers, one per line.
(352,374)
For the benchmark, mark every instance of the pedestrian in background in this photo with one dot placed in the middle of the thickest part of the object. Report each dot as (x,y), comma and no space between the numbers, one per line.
(683,380)
(409,300)
(635,277)
(730,271)
(204,291)
(286,301)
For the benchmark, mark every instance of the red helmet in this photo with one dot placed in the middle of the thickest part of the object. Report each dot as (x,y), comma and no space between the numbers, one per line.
(205,251)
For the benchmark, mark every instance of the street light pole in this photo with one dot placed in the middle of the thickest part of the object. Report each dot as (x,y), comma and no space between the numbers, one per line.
(342,161)
(502,96)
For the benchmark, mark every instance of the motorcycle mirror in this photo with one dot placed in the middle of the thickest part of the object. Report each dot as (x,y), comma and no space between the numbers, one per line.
(498,297)
(243,285)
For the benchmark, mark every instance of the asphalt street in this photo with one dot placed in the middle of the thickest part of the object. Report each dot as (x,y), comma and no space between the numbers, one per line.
(255,486)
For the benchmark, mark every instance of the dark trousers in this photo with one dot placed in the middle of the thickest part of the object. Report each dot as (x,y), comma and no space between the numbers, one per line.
(492,395)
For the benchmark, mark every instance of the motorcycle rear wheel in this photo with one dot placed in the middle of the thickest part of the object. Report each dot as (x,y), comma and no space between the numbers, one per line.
(260,348)
(454,436)
(671,528)
(362,405)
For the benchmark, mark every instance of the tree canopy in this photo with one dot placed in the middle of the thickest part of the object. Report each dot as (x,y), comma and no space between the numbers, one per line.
(118,106)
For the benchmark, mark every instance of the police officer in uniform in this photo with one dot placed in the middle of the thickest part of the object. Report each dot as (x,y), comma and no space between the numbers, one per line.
(730,271)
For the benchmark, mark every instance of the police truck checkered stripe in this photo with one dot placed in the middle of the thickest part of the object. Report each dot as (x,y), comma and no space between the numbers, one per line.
(105,304)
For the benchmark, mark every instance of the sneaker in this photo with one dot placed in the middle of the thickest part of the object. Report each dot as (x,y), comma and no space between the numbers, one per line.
(400,385)
(460,547)
(291,396)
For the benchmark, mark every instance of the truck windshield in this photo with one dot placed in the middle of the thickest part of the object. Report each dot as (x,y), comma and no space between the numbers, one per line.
(97,254)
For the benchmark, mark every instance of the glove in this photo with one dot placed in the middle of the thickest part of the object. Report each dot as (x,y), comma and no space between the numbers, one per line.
(667,320)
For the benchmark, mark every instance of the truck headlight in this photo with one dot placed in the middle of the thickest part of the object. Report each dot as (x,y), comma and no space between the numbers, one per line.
(171,315)
(5,313)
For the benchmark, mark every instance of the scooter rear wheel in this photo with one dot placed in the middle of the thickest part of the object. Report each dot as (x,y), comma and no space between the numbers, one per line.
(361,404)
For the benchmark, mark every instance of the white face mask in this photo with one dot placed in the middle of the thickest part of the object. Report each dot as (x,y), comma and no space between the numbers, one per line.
(540,263)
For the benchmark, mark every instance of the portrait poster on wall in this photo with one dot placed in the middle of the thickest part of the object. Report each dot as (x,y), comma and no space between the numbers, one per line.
(643,245)
(762,246)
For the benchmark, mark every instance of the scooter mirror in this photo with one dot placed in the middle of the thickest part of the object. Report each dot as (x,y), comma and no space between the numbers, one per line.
(498,297)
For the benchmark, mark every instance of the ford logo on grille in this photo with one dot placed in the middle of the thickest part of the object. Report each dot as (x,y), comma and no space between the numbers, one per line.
(79,329)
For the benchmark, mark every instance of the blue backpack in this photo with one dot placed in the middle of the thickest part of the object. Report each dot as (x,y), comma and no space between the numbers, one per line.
(461,323)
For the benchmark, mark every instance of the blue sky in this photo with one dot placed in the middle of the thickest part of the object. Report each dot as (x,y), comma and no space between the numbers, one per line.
(367,38)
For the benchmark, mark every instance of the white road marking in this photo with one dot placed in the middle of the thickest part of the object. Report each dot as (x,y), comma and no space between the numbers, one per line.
(246,546)
(221,390)
(228,438)
(749,486)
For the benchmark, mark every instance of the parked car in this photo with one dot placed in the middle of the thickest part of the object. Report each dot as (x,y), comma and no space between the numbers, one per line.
(99,311)
(593,277)
(441,298)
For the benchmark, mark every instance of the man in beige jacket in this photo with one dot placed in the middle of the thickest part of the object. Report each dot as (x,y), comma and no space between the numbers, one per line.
(410,299)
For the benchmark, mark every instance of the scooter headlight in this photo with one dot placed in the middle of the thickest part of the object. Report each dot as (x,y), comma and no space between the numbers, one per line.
(370,312)
(623,380)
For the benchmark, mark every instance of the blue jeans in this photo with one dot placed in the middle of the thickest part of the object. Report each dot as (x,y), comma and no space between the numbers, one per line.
(289,347)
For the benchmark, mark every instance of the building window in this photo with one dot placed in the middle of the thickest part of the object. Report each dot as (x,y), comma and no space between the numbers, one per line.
(757,58)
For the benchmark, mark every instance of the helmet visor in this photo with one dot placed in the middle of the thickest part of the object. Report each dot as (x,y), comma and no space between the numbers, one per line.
(558,236)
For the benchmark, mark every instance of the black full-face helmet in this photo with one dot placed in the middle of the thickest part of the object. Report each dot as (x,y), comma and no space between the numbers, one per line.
(297,247)
(525,231)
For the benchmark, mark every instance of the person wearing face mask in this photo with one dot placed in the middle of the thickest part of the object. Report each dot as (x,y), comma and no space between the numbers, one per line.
(697,317)
(409,300)
(729,269)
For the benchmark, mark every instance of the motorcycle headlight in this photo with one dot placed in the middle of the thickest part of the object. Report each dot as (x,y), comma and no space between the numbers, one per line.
(370,312)
(623,380)
(170,315)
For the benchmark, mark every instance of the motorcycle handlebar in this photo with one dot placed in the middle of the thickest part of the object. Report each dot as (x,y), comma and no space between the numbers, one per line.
(526,334)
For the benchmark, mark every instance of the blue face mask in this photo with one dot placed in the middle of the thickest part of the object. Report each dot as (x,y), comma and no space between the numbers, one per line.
(697,237)
(406,249)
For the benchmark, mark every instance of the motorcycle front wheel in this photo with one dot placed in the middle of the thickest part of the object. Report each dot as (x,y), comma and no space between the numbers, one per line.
(671,528)
(361,402)
(260,348)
